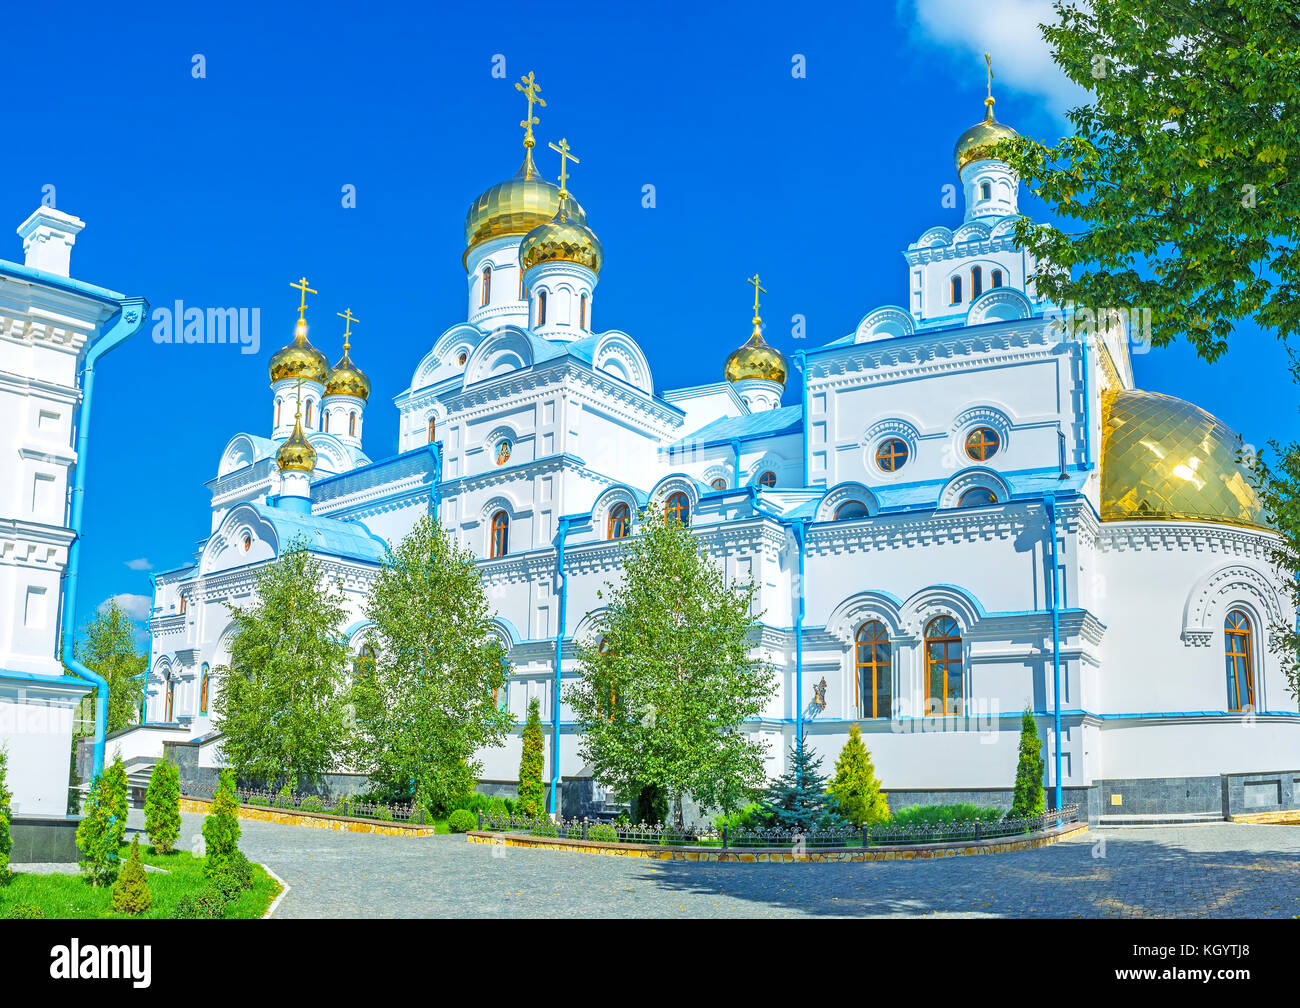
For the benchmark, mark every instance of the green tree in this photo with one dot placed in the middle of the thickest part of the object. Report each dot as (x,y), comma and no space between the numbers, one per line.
(99,835)
(281,707)
(1178,189)
(1029,799)
(131,890)
(6,815)
(429,703)
(797,800)
(162,811)
(532,792)
(221,828)
(108,648)
(854,787)
(668,681)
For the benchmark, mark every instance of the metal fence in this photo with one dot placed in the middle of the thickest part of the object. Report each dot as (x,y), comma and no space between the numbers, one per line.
(308,804)
(709,836)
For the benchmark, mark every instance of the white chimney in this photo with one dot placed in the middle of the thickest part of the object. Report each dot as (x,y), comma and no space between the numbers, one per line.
(47,236)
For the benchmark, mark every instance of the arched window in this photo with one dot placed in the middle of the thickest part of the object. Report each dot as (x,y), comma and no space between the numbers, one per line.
(977,497)
(433,428)
(203,689)
(956,290)
(325,421)
(873,663)
(582,312)
(500,534)
(169,698)
(1237,654)
(461,358)
(986,190)
(982,443)
(719,484)
(976,282)
(891,454)
(523,291)
(352,424)
(768,479)
(943,668)
(308,412)
(678,508)
(620,521)
(183,605)
(995,278)
(277,412)
(541,308)
(487,284)
(850,510)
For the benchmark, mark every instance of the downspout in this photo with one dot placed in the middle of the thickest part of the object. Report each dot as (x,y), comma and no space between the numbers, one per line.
(559,650)
(735,450)
(799,362)
(1050,501)
(127,323)
(1087,407)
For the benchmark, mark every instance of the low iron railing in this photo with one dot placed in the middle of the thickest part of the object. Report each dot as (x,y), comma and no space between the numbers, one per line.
(709,836)
(347,806)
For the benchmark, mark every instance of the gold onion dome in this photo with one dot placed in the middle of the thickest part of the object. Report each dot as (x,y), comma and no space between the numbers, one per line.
(514,207)
(978,141)
(1165,459)
(756,360)
(345,378)
(296,454)
(299,359)
(563,238)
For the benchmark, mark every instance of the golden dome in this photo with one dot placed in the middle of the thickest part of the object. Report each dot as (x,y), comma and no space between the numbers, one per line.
(978,141)
(1163,458)
(296,454)
(513,207)
(345,378)
(563,238)
(756,360)
(299,359)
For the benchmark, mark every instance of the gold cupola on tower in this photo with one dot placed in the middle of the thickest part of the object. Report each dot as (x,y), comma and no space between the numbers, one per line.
(978,142)
(345,378)
(300,359)
(296,453)
(566,236)
(520,203)
(755,358)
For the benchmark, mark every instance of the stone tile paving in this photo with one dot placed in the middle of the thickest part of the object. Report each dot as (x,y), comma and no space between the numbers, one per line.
(1217,870)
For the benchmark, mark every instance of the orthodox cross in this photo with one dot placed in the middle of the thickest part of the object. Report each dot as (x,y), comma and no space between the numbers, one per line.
(530,89)
(346,313)
(302,286)
(988,62)
(565,158)
(755,281)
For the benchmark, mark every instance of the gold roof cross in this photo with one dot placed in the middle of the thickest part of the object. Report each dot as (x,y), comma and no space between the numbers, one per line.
(346,313)
(530,89)
(756,282)
(302,286)
(565,158)
(988,62)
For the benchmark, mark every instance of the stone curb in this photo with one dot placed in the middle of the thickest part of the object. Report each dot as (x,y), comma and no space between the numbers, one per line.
(1286,817)
(316,820)
(767,854)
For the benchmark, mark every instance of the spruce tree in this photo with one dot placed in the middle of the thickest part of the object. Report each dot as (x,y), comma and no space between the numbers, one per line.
(131,890)
(6,813)
(854,787)
(532,792)
(221,828)
(797,800)
(1029,799)
(162,813)
(103,826)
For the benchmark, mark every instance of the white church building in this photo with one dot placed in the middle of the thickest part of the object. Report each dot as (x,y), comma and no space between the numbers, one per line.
(966,508)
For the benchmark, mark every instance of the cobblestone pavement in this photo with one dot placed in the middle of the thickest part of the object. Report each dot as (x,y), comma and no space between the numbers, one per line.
(1216,870)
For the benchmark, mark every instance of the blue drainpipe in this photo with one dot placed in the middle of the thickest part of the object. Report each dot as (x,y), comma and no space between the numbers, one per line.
(559,652)
(126,324)
(1050,501)
(800,361)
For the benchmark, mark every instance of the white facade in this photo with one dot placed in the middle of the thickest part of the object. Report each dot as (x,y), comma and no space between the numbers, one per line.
(554,424)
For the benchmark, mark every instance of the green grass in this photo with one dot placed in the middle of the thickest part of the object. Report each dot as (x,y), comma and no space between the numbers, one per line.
(66,897)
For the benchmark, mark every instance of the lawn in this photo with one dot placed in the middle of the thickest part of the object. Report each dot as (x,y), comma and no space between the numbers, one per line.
(67,897)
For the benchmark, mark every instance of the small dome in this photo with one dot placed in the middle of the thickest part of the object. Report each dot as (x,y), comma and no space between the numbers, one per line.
(563,238)
(1165,459)
(345,378)
(296,454)
(513,207)
(978,141)
(299,359)
(756,360)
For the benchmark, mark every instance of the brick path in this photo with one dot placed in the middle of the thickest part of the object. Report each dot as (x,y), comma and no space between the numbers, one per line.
(1217,870)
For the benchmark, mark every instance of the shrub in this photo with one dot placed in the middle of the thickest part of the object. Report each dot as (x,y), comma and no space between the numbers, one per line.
(25,911)
(462,820)
(221,828)
(532,793)
(131,890)
(936,815)
(748,818)
(100,833)
(162,807)
(6,839)
(472,802)
(1029,799)
(602,833)
(854,787)
(311,804)
(209,903)
(650,804)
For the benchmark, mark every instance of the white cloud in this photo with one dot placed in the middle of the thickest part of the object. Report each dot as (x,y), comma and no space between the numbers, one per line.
(140,564)
(1007,30)
(135,606)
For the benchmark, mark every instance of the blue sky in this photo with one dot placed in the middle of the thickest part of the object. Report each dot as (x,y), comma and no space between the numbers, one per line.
(220,191)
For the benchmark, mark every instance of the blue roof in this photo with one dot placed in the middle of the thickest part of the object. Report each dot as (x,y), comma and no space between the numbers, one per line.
(768,423)
(349,539)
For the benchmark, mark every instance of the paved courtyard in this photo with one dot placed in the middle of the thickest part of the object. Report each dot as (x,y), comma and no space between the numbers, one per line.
(1216,870)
